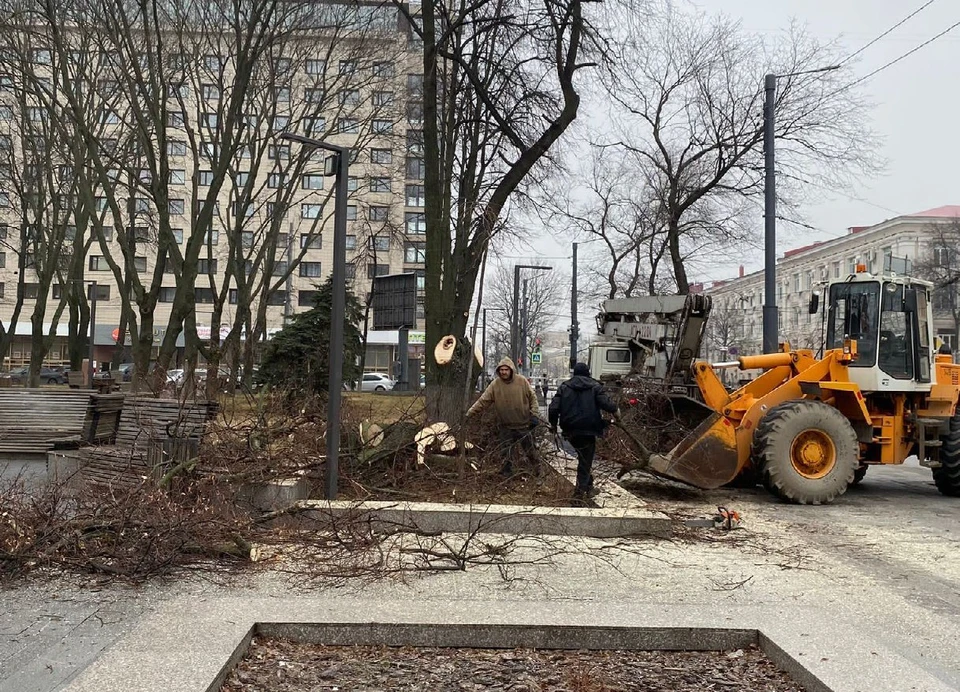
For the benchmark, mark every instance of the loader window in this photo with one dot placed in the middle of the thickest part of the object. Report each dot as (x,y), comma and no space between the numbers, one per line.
(853,312)
(896,335)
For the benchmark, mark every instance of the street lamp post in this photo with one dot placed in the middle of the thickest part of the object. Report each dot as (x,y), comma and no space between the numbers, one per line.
(335,165)
(515,318)
(771,326)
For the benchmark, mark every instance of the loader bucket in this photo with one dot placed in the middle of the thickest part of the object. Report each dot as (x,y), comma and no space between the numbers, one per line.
(707,458)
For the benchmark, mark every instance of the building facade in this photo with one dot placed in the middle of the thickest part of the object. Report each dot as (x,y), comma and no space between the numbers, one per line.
(736,320)
(273,213)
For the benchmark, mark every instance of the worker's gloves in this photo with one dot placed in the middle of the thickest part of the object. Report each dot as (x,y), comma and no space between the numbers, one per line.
(553,430)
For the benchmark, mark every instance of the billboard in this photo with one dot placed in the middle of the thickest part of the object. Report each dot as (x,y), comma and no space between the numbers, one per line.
(394,301)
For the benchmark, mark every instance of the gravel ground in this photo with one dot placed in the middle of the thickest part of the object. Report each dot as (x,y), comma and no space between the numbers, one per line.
(284,666)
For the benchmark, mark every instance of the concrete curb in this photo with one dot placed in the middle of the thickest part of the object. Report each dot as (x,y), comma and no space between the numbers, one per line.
(516,520)
(191,646)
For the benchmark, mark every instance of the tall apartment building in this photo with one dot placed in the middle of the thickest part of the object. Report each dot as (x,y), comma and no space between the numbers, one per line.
(362,94)
(736,322)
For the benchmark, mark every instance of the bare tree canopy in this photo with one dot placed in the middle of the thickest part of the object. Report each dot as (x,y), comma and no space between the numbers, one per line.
(684,96)
(500,87)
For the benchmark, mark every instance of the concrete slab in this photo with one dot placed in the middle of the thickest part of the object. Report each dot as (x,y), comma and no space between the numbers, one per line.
(190,646)
(501,519)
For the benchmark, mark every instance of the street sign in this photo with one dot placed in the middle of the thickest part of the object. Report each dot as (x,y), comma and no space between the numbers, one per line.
(394,302)
(535,358)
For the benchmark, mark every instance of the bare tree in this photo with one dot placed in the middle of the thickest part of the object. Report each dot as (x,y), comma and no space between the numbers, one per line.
(499,90)
(687,98)
(940,264)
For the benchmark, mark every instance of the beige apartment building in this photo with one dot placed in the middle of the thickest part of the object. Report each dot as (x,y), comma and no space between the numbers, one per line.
(736,324)
(370,102)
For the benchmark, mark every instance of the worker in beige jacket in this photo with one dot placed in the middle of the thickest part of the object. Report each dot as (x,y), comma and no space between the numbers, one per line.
(515,405)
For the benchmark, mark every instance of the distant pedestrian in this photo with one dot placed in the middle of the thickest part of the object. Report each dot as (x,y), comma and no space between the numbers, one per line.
(577,407)
(544,386)
(515,404)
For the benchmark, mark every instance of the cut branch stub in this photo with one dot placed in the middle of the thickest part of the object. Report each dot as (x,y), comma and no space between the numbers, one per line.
(443,353)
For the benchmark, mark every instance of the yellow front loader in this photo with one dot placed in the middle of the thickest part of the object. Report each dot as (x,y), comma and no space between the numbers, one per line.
(809,427)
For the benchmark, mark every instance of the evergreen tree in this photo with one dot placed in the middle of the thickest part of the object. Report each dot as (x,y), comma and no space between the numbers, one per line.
(298,357)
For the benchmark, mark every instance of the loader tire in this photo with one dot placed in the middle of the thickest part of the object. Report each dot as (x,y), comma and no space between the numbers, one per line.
(947,476)
(807,452)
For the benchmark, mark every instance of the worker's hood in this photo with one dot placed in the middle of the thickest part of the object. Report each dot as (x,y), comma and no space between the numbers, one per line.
(581,382)
(509,363)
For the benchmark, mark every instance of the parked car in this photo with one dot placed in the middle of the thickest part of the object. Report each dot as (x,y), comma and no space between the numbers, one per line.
(376,382)
(175,377)
(47,376)
(125,372)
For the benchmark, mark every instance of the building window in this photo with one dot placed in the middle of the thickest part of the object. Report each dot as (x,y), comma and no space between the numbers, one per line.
(415,142)
(212,238)
(278,151)
(415,168)
(212,63)
(282,94)
(242,209)
(415,195)
(167,294)
(383,156)
(206,178)
(98,263)
(383,69)
(108,117)
(351,272)
(3,260)
(177,207)
(277,298)
(280,122)
(836,270)
(381,185)
(178,177)
(140,264)
(279,268)
(379,243)
(347,126)
(383,127)
(416,222)
(941,256)
(210,92)
(204,296)
(310,270)
(312,182)
(415,112)
(206,266)
(348,66)
(351,212)
(316,126)
(311,241)
(316,67)
(382,99)
(241,178)
(851,265)
(353,183)
(177,235)
(246,239)
(5,201)
(415,83)
(311,211)
(415,253)
(379,213)
(174,119)
(377,270)
(350,97)
(314,95)
(307,299)
(175,148)
(351,242)
(275,180)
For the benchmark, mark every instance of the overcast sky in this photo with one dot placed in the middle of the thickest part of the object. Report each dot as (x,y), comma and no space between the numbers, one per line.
(917,103)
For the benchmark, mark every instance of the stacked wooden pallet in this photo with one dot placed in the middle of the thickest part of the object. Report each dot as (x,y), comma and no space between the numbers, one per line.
(39,420)
(103,418)
(153,434)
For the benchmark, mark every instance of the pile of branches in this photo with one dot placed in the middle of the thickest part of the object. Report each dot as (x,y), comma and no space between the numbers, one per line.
(131,533)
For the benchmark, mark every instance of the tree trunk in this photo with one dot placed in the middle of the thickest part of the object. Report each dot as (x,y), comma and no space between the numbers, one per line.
(676,257)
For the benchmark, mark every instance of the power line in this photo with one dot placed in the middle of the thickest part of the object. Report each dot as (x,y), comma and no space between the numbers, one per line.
(888,31)
(896,60)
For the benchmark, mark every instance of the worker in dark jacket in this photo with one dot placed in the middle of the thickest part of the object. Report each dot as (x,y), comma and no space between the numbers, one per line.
(576,406)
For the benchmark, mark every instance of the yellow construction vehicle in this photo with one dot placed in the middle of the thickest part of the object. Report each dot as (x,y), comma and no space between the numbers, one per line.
(809,427)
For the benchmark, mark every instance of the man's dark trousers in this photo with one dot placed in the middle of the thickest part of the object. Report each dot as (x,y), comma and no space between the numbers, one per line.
(586,446)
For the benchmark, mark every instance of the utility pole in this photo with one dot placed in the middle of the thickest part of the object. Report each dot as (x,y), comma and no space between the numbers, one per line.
(574,325)
(771,325)
(515,315)
(524,338)
(483,348)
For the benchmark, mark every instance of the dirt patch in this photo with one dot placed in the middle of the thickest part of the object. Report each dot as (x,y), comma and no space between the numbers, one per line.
(284,666)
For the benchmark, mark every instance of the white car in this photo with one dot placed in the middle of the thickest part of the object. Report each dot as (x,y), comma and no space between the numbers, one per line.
(175,377)
(376,382)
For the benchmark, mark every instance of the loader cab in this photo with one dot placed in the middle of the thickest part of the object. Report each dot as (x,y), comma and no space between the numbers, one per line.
(889,318)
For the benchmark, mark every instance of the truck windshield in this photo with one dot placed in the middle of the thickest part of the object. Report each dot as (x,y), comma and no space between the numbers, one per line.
(854,313)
